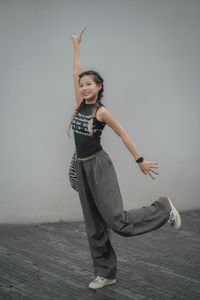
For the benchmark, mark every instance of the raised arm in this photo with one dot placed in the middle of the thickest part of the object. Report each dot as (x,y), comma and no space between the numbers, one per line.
(77,69)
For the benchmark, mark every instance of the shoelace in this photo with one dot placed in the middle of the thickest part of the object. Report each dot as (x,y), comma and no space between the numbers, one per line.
(99,279)
(172,217)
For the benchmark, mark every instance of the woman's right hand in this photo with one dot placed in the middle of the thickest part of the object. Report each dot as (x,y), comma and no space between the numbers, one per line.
(77,38)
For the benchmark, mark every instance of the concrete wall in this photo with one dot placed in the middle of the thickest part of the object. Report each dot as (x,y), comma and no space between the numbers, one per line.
(148,53)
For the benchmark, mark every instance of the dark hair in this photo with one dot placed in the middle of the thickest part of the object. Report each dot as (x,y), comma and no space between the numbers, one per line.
(98,80)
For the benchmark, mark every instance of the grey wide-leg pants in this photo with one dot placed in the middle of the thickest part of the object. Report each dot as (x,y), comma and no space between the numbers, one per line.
(102,207)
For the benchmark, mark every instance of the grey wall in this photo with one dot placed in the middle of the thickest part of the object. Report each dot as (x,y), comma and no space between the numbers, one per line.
(148,54)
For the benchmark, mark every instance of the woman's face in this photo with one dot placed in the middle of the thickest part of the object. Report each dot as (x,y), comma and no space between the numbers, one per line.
(88,87)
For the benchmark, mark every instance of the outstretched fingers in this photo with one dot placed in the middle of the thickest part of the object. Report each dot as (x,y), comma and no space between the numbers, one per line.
(151,166)
(82,30)
(151,175)
(153,163)
(153,171)
(77,38)
(147,168)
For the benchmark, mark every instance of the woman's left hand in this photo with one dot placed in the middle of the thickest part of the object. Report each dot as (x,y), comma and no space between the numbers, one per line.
(147,166)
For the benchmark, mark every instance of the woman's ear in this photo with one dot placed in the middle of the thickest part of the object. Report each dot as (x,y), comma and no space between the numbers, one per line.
(100,86)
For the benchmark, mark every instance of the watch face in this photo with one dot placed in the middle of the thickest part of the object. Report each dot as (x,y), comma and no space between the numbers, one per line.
(140,159)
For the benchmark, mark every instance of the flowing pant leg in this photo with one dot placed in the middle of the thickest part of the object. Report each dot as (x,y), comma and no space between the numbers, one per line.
(104,186)
(102,206)
(98,232)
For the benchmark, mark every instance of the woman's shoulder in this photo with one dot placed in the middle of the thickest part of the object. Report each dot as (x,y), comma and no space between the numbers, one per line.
(100,104)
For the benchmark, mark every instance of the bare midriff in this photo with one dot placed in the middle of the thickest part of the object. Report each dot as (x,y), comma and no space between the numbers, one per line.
(84,158)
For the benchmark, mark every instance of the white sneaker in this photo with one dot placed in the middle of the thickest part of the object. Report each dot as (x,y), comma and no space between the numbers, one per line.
(100,282)
(175,218)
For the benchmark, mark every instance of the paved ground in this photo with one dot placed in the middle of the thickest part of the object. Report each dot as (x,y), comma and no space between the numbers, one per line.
(52,262)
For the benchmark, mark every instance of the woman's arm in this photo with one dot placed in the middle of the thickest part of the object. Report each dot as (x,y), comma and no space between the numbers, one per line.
(77,60)
(145,166)
(77,69)
(115,125)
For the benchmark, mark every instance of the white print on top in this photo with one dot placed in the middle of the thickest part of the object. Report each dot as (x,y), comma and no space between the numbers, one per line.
(80,125)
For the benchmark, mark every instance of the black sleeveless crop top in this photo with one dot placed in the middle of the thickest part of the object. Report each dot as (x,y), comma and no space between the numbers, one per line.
(87,145)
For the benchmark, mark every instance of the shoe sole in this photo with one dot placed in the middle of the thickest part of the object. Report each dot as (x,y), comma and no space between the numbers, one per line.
(178,217)
(107,283)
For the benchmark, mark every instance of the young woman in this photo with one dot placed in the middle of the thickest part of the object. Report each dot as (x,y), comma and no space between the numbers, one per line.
(98,186)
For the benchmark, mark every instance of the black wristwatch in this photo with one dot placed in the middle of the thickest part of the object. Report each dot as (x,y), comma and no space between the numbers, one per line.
(140,159)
